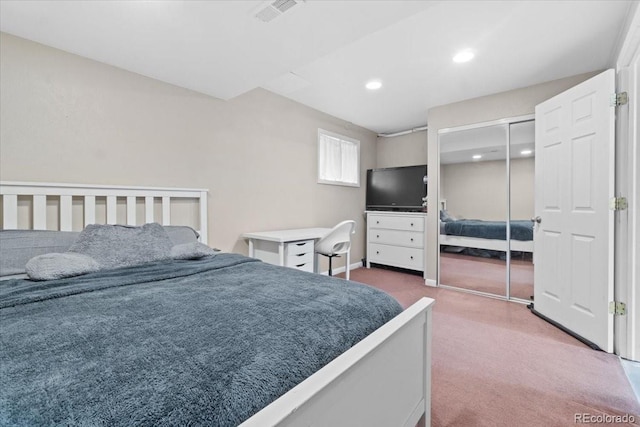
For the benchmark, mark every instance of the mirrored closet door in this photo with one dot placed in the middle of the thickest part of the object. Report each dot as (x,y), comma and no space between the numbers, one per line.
(486,205)
(521,208)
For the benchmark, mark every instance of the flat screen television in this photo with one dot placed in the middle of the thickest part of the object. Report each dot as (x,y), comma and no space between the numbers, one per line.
(401,188)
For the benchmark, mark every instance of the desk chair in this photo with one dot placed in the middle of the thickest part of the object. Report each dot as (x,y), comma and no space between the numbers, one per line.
(337,242)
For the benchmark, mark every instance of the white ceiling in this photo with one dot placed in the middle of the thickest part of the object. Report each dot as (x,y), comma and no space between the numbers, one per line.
(321,53)
(490,142)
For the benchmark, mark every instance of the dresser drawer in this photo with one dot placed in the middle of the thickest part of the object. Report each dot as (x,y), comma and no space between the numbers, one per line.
(393,222)
(295,248)
(414,239)
(307,266)
(292,260)
(397,256)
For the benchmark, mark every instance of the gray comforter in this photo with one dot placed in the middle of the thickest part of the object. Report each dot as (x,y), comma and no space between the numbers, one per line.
(520,229)
(206,342)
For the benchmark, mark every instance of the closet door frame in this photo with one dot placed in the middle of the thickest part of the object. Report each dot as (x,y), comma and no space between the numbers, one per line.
(505,121)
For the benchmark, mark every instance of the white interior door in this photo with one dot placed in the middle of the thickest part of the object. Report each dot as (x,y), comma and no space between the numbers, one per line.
(574,182)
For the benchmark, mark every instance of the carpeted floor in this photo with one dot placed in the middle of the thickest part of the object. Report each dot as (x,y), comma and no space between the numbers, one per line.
(496,364)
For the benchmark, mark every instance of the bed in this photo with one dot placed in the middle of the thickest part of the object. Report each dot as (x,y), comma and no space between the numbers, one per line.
(220,340)
(489,235)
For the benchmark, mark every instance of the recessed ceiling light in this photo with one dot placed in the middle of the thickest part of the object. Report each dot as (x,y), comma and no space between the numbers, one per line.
(374,85)
(477,156)
(526,152)
(463,56)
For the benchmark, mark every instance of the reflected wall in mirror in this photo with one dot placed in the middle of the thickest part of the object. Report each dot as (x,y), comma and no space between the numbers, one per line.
(486,198)
(522,177)
(473,195)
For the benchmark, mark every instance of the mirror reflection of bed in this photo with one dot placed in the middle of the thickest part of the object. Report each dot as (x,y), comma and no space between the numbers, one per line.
(486,206)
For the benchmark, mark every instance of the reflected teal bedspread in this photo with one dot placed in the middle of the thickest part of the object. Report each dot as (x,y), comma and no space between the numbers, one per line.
(520,229)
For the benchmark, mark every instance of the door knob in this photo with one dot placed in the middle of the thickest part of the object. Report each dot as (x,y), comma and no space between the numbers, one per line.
(536,219)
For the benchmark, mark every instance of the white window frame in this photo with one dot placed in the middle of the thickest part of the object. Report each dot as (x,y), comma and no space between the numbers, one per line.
(322,179)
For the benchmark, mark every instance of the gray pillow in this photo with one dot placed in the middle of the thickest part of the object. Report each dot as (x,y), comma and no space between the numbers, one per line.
(114,246)
(181,234)
(58,266)
(445,216)
(19,246)
(193,250)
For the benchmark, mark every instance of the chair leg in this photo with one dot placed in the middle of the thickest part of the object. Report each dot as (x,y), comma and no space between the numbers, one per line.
(348,264)
(330,271)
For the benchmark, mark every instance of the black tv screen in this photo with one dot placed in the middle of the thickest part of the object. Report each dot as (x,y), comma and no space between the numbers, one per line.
(401,188)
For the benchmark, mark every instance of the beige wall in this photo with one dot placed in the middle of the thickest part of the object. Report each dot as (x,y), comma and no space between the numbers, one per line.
(478,190)
(402,150)
(69,119)
(513,103)
(522,188)
(475,190)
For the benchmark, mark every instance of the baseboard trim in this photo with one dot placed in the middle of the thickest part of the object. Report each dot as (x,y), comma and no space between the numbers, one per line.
(431,282)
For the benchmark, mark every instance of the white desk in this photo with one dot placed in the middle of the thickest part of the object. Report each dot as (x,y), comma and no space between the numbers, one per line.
(290,248)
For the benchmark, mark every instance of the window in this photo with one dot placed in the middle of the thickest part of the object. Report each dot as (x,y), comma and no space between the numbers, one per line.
(338,159)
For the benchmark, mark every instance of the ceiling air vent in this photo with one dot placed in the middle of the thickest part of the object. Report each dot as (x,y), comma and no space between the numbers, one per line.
(272,9)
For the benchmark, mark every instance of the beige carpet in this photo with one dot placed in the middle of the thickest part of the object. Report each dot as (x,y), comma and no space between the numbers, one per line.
(496,364)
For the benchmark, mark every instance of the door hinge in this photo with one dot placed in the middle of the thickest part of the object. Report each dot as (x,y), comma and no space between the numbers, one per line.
(618,308)
(618,99)
(618,203)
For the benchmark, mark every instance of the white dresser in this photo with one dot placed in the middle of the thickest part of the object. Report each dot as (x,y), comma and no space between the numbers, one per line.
(396,239)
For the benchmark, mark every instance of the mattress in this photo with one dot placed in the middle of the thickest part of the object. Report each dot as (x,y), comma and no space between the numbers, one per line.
(204,342)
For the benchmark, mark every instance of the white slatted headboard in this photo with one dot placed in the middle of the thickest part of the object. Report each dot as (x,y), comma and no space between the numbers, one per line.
(38,193)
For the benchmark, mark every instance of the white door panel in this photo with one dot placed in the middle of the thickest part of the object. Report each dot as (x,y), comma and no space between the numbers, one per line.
(574,182)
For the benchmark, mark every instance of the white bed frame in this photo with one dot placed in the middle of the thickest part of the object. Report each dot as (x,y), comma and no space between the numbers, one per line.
(39,192)
(384,380)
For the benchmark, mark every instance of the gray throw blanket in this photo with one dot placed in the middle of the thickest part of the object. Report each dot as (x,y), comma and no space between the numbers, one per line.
(206,342)
(520,229)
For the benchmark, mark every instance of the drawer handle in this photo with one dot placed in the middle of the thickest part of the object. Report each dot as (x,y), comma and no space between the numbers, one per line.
(412,224)
(300,265)
(412,239)
(411,256)
(377,222)
(300,254)
(377,252)
(378,236)
(301,244)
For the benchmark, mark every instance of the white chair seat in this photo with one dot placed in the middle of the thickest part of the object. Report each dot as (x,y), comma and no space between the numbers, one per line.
(337,242)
